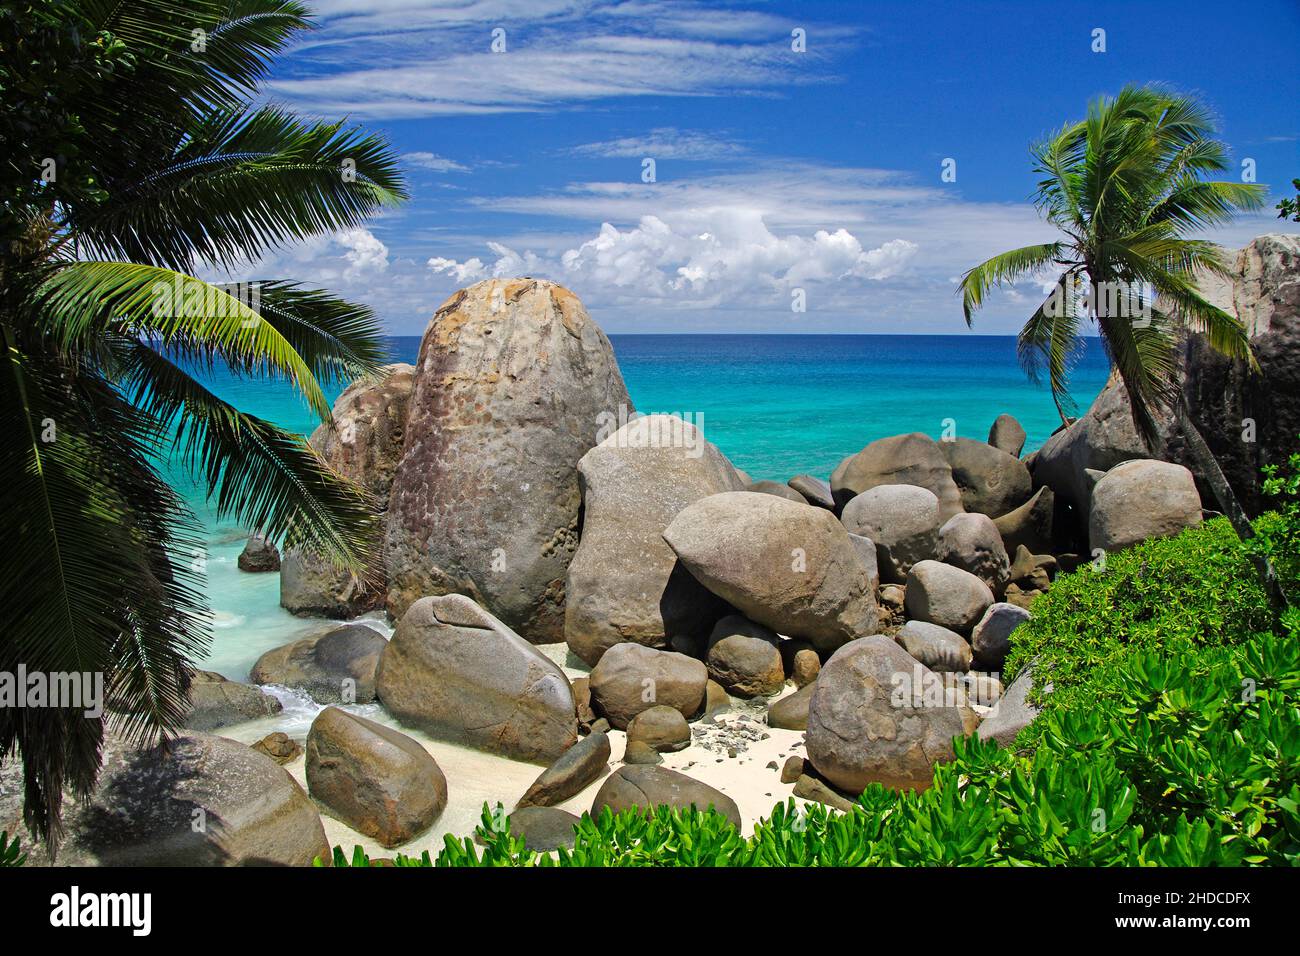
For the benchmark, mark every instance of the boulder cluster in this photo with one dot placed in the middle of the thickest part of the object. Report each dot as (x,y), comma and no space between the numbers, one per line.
(523,502)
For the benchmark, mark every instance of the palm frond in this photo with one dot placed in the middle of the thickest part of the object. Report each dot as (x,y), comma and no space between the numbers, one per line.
(1025,261)
(84,299)
(1049,342)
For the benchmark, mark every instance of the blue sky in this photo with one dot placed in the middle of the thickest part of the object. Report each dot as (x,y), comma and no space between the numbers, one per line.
(775,170)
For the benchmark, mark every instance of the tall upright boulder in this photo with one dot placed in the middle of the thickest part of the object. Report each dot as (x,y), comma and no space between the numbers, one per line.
(991,481)
(625,583)
(511,386)
(363,445)
(913,459)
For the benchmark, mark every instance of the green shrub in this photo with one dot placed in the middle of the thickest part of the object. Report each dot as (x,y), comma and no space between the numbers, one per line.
(1177,595)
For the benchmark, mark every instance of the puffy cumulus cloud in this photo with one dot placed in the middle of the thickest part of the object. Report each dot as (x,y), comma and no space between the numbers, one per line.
(363,252)
(697,255)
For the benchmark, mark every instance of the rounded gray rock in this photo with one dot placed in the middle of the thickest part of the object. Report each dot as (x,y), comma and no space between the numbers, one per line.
(902,521)
(944,595)
(971,542)
(631,678)
(939,649)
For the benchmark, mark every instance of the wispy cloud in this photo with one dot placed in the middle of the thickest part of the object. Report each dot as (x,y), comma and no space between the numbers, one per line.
(497,57)
(665,142)
(434,162)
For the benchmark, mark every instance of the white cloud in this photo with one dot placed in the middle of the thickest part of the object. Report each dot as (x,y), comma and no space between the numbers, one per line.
(364,253)
(700,255)
(665,142)
(434,162)
(436,58)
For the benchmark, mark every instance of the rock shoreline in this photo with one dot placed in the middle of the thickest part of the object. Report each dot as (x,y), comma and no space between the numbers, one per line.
(841,629)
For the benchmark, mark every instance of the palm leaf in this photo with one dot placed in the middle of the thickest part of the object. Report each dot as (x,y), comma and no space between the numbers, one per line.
(1000,269)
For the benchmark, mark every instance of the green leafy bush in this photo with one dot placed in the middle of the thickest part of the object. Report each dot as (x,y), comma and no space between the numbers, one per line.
(1178,595)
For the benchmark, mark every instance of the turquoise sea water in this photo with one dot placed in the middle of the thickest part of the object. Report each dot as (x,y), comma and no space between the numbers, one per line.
(776,405)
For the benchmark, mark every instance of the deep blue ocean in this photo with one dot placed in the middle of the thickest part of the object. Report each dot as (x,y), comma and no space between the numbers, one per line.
(776,405)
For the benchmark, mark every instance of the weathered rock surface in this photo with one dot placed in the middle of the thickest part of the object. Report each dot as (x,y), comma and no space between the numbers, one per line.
(971,542)
(457,673)
(364,446)
(581,765)
(146,803)
(1013,712)
(543,828)
(787,566)
(1007,435)
(333,668)
(805,666)
(938,648)
(512,383)
(631,678)
(791,711)
(913,459)
(661,728)
(218,702)
(640,753)
(259,555)
(991,481)
(376,780)
(280,747)
(866,549)
(766,487)
(650,787)
(862,728)
(815,491)
(810,788)
(745,658)
(1031,524)
(902,520)
(944,595)
(1137,500)
(625,582)
(991,637)
(1100,439)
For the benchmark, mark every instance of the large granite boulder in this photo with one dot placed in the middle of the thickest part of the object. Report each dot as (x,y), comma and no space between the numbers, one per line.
(816,491)
(644,788)
(991,637)
(1007,435)
(1249,419)
(1100,439)
(631,678)
(867,724)
(198,801)
(217,702)
(941,650)
(971,542)
(745,658)
(766,487)
(1013,712)
(376,780)
(258,556)
(625,582)
(913,459)
(791,711)
(945,595)
(337,667)
(363,445)
(512,383)
(661,728)
(458,673)
(1031,524)
(787,566)
(1142,499)
(902,520)
(991,481)
(581,765)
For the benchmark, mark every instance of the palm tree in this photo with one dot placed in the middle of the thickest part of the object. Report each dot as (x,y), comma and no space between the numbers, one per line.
(1126,186)
(136,156)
